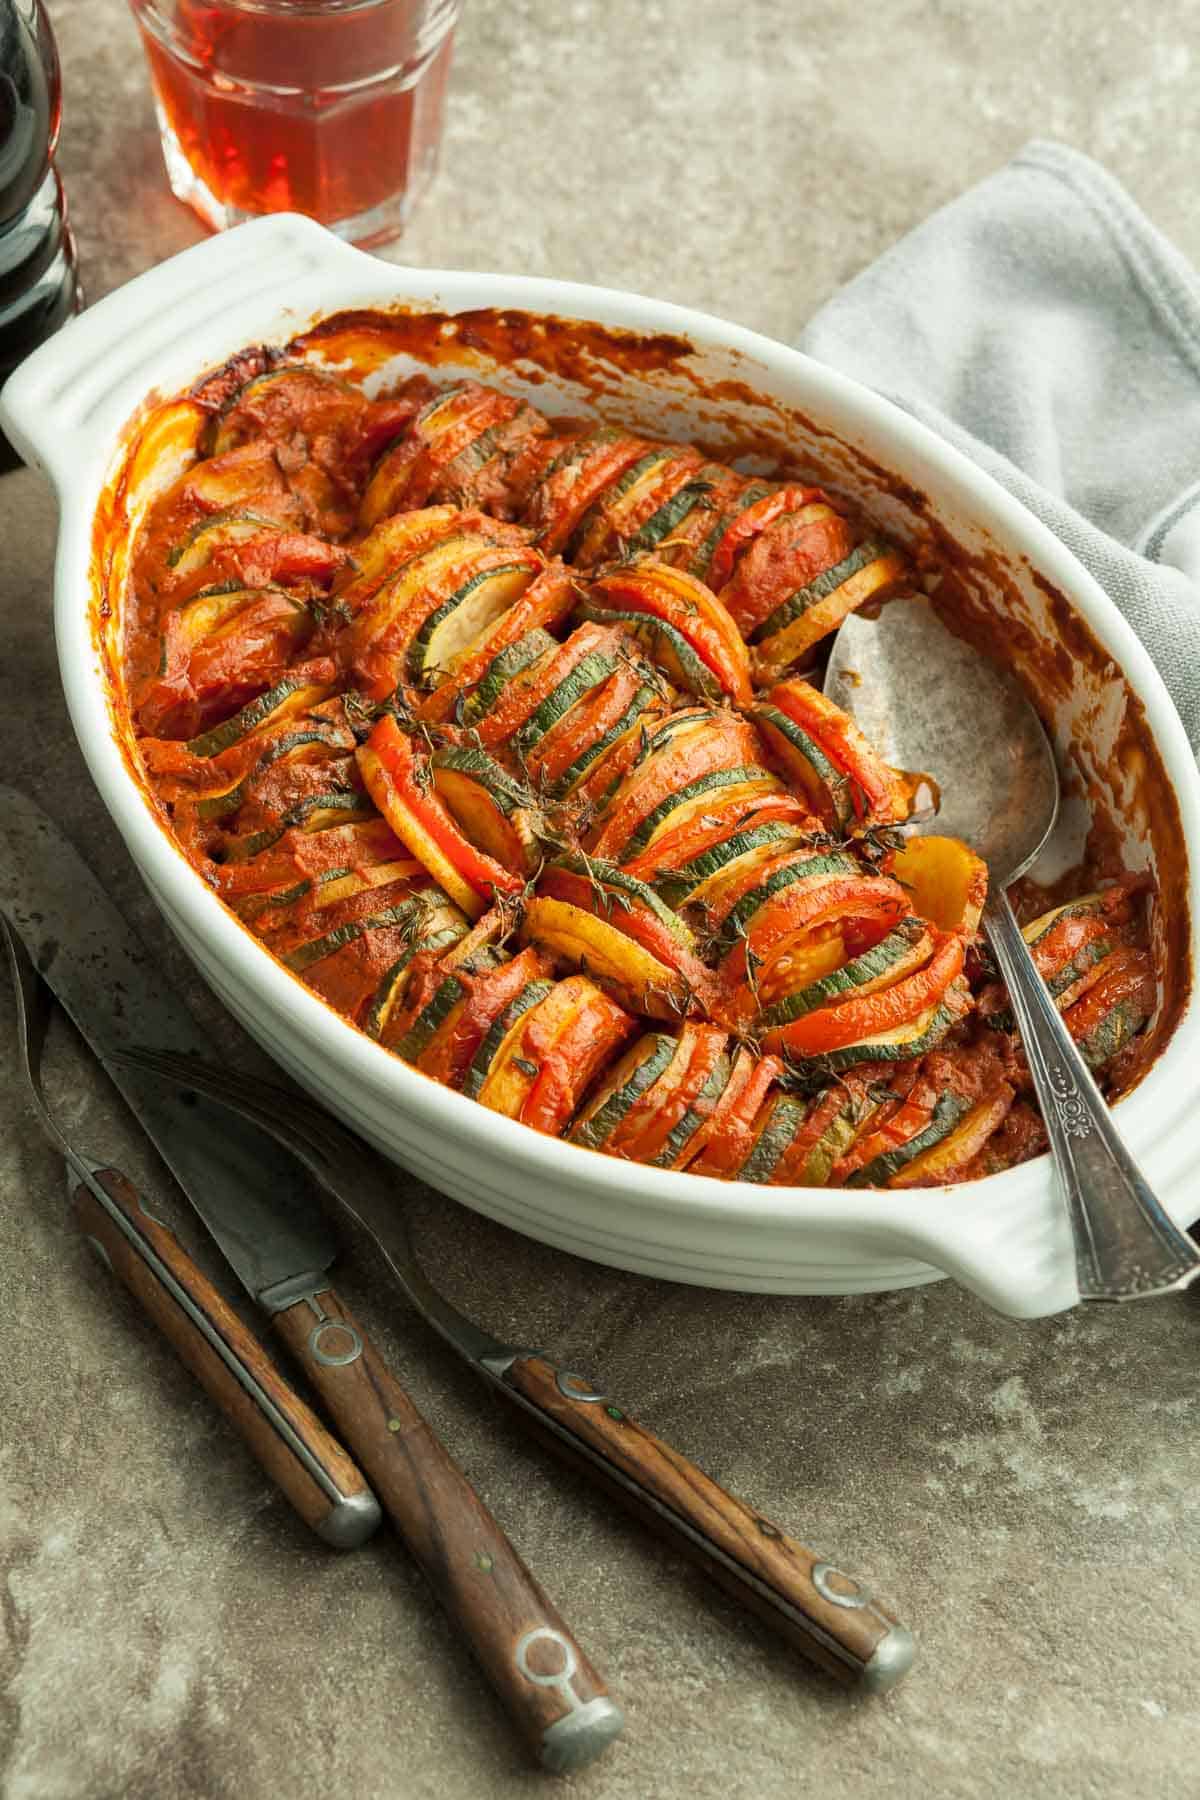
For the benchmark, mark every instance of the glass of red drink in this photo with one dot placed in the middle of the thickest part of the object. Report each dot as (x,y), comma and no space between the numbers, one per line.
(327,107)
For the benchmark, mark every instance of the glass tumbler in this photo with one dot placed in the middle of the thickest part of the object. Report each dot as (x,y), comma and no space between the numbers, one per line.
(327,107)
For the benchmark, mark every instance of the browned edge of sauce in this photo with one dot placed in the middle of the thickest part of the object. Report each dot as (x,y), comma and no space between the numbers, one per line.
(599,361)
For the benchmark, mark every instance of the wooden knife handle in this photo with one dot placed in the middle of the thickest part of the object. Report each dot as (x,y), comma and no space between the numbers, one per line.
(548,1685)
(826,1614)
(283,1434)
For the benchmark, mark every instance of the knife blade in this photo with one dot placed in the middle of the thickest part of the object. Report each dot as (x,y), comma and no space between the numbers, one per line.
(281,1431)
(252,1198)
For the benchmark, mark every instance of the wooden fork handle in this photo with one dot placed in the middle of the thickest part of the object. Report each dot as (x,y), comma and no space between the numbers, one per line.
(548,1685)
(284,1435)
(826,1614)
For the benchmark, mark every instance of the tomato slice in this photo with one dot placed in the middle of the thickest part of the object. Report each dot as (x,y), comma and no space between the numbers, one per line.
(835,1027)
(789,553)
(645,1129)
(408,473)
(524,695)
(703,832)
(566,492)
(702,745)
(680,600)
(1126,974)
(547,600)
(894,1123)
(578,1053)
(550,1056)
(393,777)
(882,795)
(448,1055)
(750,522)
(723,1143)
(584,725)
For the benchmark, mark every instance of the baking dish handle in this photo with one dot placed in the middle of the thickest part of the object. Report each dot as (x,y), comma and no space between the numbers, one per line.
(63,406)
(1018,1258)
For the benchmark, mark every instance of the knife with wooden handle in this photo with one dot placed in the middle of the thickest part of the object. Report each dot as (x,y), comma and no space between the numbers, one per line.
(284,1435)
(829,1616)
(256,1204)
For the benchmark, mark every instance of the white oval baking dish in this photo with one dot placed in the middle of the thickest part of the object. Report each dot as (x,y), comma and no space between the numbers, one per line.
(67,411)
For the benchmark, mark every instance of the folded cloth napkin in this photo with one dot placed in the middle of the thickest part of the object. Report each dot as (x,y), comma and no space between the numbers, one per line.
(1043,326)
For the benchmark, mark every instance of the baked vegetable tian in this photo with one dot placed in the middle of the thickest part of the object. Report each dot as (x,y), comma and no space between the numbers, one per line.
(494,729)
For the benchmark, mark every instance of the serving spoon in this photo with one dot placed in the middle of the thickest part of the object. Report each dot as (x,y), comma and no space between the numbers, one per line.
(968,724)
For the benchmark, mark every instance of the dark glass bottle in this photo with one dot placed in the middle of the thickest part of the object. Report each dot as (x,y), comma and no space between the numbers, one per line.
(39,289)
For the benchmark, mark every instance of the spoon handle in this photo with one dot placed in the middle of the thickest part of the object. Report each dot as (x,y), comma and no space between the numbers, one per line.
(1126,1248)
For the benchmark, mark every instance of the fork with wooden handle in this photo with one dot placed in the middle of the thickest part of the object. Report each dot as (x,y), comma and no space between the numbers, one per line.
(826,1614)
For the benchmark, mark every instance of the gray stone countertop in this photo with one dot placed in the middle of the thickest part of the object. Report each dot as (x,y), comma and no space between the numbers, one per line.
(1026,1493)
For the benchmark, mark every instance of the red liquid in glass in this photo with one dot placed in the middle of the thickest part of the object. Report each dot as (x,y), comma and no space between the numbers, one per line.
(331,111)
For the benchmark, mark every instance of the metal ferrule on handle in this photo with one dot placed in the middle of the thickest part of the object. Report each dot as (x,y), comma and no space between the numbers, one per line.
(1126,1248)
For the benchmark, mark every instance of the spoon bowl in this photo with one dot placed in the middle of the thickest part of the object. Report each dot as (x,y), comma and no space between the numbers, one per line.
(929,701)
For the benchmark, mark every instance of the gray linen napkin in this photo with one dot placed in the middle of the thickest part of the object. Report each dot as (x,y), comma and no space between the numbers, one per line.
(1042,325)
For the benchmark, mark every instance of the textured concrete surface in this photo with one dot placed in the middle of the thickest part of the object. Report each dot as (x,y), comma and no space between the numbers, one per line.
(1027,1494)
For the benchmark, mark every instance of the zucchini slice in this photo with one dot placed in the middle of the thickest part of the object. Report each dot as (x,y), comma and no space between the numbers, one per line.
(285,747)
(691,883)
(829,790)
(293,694)
(1114,1009)
(900,1044)
(485,1056)
(685,750)
(950,1110)
(587,674)
(619,500)
(718,786)
(675,1144)
(495,811)
(548,1057)
(667,518)
(831,1124)
(750,495)
(802,865)
(404,600)
(428,938)
(947,1159)
(810,615)
(828,582)
(197,546)
(593,757)
(500,671)
(667,646)
(446,995)
(411,911)
(634,1075)
(452,628)
(906,948)
(782,1118)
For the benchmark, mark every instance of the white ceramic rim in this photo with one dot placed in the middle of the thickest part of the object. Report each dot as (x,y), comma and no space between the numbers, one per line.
(64,410)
